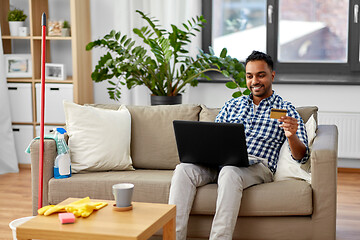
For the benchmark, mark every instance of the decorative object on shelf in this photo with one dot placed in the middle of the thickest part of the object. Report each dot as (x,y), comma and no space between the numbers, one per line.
(65,30)
(54,28)
(23,31)
(18,65)
(55,71)
(16,20)
(168,68)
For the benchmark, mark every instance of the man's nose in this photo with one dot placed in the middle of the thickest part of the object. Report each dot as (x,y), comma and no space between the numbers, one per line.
(255,80)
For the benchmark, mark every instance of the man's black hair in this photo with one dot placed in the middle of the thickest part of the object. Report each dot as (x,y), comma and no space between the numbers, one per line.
(256,55)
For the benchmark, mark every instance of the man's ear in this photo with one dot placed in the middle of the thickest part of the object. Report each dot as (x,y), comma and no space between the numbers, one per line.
(273,75)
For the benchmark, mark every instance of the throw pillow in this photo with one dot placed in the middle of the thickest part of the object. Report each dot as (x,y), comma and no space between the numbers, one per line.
(307,112)
(287,168)
(99,139)
(153,144)
(208,114)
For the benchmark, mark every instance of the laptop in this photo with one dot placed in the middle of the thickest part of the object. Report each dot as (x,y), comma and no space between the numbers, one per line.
(211,144)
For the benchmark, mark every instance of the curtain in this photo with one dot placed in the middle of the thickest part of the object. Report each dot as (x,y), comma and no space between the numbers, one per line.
(121,16)
(8,159)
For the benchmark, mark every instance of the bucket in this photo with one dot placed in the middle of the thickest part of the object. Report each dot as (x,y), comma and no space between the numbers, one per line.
(17,222)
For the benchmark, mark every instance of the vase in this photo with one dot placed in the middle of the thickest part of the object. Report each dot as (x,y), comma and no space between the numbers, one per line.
(165,100)
(14,27)
(65,32)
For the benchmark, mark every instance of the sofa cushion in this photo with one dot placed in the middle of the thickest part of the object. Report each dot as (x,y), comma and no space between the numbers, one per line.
(285,198)
(150,185)
(307,111)
(208,114)
(99,139)
(290,197)
(153,144)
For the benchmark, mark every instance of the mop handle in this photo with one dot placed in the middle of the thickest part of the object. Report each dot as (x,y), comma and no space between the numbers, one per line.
(41,151)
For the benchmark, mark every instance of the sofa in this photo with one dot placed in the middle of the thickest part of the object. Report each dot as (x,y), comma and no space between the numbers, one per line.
(287,209)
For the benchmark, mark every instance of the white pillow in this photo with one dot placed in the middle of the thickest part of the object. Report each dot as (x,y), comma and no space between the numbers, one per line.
(99,139)
(287,167)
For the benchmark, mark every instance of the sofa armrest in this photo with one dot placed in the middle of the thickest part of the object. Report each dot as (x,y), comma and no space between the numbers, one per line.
(49,158)
(324,181)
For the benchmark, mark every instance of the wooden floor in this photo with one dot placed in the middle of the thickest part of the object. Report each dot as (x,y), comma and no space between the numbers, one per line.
(15,202)
(15,199)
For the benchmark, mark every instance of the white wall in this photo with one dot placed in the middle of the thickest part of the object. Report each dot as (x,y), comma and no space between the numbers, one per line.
(331,98)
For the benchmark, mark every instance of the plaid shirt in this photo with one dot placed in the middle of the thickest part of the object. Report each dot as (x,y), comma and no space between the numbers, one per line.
(264,137)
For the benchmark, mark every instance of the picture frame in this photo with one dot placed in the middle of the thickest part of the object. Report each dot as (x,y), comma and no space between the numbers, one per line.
(55,71)
(18,65)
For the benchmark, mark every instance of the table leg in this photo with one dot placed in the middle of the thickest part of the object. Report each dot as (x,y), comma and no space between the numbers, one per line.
(169,230)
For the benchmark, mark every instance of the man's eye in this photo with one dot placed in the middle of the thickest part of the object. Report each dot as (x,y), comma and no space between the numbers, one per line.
(261,75)
(249,76)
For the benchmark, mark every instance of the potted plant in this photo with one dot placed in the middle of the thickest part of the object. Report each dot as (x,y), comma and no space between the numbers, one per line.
(16,19)
(65,30)
(164,67)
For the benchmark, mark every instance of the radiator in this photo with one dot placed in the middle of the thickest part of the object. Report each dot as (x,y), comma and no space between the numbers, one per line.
(349,132)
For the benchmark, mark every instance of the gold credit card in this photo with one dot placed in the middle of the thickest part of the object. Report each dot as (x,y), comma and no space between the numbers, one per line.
(277,113)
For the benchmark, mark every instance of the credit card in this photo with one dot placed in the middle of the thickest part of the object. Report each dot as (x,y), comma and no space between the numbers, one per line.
(277,113)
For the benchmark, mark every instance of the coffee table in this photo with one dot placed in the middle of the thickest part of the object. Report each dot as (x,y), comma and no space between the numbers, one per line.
(139,223)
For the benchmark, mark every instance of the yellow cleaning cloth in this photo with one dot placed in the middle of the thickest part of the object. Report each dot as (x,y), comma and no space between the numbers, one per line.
(80,208)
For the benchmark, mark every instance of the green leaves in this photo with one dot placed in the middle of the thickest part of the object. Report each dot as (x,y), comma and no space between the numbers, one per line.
(161,49)
(231,85)
(237,94)
(164,66)
(223,53)
(151,22)
(16,15)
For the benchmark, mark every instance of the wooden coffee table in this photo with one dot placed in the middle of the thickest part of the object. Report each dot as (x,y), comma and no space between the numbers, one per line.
(139,223)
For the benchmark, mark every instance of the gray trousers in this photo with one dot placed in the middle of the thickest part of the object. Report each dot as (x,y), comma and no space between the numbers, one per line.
(231,182)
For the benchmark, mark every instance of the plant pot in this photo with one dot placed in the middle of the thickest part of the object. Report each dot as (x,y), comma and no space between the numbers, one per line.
(14,27)
(165,100)
(65,32)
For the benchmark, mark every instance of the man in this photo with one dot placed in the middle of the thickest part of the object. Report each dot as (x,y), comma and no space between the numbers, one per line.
(264,137)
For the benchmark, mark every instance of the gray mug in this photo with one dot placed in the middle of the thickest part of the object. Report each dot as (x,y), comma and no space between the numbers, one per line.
(123,194)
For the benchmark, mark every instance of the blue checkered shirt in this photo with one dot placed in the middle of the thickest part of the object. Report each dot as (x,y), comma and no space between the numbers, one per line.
(264,137)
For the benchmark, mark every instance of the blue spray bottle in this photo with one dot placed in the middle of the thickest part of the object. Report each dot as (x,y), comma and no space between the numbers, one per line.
(62,166)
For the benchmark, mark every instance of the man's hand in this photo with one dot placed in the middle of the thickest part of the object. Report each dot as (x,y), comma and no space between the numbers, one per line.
(290,125)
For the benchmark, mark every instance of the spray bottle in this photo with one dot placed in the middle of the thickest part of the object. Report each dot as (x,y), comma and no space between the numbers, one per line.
(62,166)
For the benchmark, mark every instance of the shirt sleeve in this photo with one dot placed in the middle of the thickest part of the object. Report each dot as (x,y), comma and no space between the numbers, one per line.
(301,133)
(222,116)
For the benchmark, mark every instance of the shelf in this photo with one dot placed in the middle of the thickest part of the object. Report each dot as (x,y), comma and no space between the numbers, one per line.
(58,49)
(16,37)
(68,80)
(30,80)
(19,80)
(51,124)
(22,123)
(51,38)
(35,38)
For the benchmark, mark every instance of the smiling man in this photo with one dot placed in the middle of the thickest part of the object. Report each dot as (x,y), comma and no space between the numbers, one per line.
(264,137)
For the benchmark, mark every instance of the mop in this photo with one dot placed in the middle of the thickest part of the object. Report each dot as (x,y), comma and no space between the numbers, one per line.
(41,151)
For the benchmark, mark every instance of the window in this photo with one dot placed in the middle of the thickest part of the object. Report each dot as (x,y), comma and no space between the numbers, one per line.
(306,37)
(313,31)
(236,24)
